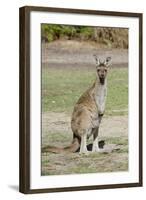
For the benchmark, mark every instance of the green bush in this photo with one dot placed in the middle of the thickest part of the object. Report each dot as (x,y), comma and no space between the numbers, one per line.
(110,37)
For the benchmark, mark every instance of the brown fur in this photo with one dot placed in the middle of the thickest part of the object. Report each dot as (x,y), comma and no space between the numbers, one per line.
(87,114)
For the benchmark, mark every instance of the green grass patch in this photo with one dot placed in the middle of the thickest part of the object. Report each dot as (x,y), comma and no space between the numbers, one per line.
(61,88)
(74,163)
(117,98)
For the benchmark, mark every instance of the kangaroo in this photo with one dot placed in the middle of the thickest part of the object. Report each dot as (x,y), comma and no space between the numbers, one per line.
(88,113)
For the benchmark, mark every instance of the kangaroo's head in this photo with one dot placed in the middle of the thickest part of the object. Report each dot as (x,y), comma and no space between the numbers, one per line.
(102,68)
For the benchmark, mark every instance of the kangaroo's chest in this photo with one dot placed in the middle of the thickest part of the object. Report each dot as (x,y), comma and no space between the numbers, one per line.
(100,98)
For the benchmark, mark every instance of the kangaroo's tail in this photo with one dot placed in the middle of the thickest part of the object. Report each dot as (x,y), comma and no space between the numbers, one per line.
(72,148)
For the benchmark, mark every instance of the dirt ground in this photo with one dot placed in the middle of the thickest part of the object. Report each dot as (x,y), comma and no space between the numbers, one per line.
(57,131)
(60,122)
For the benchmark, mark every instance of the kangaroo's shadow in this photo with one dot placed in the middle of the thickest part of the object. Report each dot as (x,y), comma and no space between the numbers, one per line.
(101,144)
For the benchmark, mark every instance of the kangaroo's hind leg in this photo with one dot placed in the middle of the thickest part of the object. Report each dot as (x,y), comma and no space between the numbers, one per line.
(95,147)
(83,147)
(95,131)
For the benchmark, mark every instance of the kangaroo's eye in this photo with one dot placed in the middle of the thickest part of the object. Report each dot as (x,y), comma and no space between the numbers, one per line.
(98,70)
(105,70)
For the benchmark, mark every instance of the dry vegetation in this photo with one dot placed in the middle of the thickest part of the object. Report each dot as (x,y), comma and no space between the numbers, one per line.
(107,37)
(112,37)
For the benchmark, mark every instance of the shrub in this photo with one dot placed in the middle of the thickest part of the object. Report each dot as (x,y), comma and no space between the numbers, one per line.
(110,37)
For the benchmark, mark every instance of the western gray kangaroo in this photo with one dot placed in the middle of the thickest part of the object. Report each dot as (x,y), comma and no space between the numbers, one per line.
(88,112)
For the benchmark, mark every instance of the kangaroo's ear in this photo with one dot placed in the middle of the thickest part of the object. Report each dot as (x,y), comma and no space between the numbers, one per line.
(108,61)
(97,60)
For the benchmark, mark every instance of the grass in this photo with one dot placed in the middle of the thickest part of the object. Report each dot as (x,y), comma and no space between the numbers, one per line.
(73,163)
(93,163)
(61,88)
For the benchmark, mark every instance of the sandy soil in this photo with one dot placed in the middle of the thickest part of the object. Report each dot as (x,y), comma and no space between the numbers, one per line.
(111,126)
(57,132)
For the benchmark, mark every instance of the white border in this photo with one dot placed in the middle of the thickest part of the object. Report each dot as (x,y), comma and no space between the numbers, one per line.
(40,182)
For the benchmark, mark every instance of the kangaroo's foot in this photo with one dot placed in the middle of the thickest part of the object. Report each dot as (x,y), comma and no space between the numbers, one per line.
(95,148)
